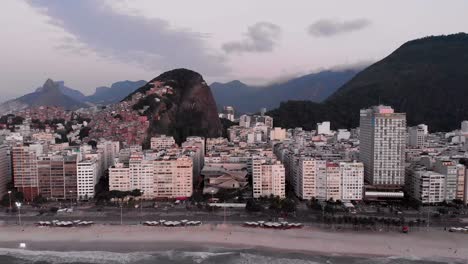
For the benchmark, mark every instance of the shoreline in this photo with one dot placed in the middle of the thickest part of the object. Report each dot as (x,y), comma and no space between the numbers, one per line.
(434,244)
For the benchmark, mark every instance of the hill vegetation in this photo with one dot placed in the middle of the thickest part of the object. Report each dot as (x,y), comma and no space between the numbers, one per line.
(426,78)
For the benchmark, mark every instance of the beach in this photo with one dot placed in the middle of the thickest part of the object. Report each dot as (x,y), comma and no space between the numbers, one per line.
(428,245)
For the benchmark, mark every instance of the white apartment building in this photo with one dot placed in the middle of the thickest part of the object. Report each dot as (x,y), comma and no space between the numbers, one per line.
(88,175)
(173,177)
(311,177)
(333,182)
(119,178)
(5,174)
(416,137)
(162,142)
(197,146)
(323,128)
(141,174)
(110,150)
(278,134)
(464,127)
(449,169)
(382,145)
(425,186)
(304,175)
(164,177)
(352,180)
(268,178)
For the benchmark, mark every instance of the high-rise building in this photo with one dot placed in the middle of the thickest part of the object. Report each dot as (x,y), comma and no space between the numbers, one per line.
(425,186)
(278,134)
(333,185)
(464,127)
(88,175)
(449,169)
(304,177)
(110,150)
(352,180)
(323,128)
(57,176)
(382,145)
(24,165)
(417,137)
(141,174)
(163,177)
(162,142)
(5,174)
(268,178)
(197,146)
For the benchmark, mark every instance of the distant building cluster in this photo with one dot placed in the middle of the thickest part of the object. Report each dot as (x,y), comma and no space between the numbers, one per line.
(382,159)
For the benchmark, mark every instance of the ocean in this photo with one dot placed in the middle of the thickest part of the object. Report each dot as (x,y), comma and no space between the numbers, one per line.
(187,256)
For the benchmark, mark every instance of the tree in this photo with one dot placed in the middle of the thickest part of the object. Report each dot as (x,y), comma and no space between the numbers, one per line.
(288,205)
(136,193)
(39,199)
(252,206)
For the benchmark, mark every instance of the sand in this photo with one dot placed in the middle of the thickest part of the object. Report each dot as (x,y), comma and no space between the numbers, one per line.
(430,244)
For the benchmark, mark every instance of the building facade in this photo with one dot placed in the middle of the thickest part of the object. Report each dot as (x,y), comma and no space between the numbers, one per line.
(382,145)
(268,177)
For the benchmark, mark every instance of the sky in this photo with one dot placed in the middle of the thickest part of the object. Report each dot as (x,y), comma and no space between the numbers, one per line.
(90,43)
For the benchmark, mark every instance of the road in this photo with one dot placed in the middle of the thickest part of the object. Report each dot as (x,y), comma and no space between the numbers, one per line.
(131,216)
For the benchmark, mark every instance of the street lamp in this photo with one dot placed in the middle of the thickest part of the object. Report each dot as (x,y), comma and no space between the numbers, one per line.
(9,199)
(18,204)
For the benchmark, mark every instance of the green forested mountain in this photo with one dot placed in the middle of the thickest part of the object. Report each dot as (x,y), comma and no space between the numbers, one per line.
(426,78)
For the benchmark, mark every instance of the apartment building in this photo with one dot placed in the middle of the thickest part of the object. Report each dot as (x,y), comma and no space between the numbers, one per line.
(161,177)
(449,169)
(162,142)
(424,186)
(382,145)
(333,182)
(417,136)
(352,180)
(5,174)
(57,176)
(268,178)
(24,163)
(88,175)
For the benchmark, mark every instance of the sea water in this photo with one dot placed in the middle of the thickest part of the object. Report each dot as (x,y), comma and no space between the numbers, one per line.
(186,256)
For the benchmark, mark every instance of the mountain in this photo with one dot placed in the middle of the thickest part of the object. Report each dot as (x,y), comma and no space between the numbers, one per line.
(49,94)
(75,94)
(425,78)
(315,87)
(178,103)
(119,90)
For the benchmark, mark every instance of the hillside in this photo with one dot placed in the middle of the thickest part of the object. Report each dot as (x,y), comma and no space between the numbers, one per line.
(315,87)
(49,94)
(178,103)
(426,78)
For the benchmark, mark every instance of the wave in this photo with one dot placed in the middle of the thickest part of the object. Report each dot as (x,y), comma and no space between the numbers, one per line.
(211,255)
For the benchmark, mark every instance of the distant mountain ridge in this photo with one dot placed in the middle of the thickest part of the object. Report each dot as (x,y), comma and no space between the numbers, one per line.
(118,91)
(315,87)
(50,94)
(425,78)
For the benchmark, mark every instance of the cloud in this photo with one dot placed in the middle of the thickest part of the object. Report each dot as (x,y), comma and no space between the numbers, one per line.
(150,43)
(328,27)
(260,37)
